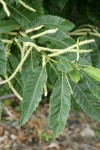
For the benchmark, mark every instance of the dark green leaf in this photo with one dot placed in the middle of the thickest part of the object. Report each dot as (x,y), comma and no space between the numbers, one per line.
(31,63)
(62,3)
(32,92)
(53,22)
(2,59)
(24,16)
(9,25)
(59,106)
(64,65)
(93,86)
(60,39)
(88,102)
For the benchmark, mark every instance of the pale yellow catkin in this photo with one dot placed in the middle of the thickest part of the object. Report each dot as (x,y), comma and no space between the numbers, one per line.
(5,7)
(27,6)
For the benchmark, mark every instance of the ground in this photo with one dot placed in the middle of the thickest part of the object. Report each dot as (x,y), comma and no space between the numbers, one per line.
(81,132)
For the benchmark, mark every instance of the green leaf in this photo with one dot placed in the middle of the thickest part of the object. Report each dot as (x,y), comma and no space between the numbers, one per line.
(13,61)
(64,65)
(25,39)
(24,16)
(95,56)
(17,80)
(52,72)
(74,105)
(19,16)
(62,3)
(53,22)
(2,59)
(0,110)
(2,13)
(31,63)
(84,61)
(93,72)
(75,75)
(27,69)
(60,39)
(93,86)
(88,102)
(32,92)
(59,106)
(8,25)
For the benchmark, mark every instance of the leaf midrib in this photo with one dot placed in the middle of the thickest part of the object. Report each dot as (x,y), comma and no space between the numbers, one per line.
(61,102)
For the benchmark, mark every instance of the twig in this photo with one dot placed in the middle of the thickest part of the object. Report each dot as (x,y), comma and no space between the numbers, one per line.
(9,113)
(11,96)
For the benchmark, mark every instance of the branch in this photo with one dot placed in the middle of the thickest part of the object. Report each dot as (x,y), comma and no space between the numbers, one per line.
(11,96)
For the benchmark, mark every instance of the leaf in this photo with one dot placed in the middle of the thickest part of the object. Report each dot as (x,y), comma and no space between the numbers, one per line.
(24,16)
(93,72)
(74,105)
(88,102)
(2,59)
(62,3)
(32,92)
(60,39)
(25,39)
(50,21)
(0,110)
(27,69)
(84,61)
(8,25)
(2,13)
(59,106)
(64,65)
(52,72)
(93,86)
(19,16)
(31,63)
(17,80)
(13,61)
(75,75)
(96,56)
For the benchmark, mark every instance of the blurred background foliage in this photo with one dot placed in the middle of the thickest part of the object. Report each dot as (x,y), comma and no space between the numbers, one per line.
(77,11)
